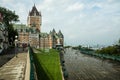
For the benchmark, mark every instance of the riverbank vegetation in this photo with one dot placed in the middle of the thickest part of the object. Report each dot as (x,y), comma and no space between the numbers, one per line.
(111,50)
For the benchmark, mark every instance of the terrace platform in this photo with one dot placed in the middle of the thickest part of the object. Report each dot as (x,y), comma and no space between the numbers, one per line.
(16,68)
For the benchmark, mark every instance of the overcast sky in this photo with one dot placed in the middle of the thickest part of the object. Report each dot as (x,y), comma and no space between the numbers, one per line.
(85,22)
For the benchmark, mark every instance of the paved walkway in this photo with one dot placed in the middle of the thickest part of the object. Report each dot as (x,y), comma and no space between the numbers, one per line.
(15,69)
(6,56)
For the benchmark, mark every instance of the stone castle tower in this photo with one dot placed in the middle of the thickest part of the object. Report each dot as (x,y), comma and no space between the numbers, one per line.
(32,35)
(34,19)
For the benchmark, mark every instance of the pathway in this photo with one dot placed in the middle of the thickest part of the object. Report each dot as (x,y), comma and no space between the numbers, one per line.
(14,69)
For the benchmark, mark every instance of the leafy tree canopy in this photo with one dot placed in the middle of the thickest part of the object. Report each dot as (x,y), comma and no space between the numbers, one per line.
(9,17)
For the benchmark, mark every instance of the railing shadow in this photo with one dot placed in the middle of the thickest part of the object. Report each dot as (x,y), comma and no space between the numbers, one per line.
(41,74)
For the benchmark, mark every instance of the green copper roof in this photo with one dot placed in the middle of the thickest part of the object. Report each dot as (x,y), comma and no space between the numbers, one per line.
(22,27)
(43,35)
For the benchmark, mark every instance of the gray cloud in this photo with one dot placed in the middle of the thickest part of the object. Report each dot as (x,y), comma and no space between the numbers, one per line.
(82,22)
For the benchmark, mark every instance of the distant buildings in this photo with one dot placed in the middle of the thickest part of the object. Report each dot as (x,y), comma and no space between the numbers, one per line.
(31,34)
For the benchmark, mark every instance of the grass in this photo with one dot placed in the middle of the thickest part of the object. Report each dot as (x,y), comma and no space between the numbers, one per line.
(48,65)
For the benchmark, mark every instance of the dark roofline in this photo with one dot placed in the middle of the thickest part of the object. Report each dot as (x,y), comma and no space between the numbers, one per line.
(34,10)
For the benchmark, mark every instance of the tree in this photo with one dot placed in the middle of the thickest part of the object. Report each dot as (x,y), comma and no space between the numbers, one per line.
(9,17)
(118,46)
(11,34)
(112,50)
(119,42)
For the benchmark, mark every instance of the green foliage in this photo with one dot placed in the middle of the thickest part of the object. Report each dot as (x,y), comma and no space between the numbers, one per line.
(67,46)
(11,34)
(77,47)
(11,46)
(9,17)
(112,50)
(87,49)
(48,65)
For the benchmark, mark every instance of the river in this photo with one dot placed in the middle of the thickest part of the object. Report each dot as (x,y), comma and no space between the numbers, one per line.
(85,67)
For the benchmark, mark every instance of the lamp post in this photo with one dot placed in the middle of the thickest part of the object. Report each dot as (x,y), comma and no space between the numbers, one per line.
(29,42)
(44,41)
(39,40)
(16,45)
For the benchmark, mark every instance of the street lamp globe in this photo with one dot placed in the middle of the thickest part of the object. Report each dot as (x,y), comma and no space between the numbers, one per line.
(16,37)
(16,45)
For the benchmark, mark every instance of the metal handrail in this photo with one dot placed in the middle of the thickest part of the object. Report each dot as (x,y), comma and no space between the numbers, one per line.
(32,68)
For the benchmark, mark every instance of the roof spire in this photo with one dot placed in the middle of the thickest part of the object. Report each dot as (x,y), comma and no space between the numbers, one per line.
(34,4)
(53,30)
(60,34)
(34,11)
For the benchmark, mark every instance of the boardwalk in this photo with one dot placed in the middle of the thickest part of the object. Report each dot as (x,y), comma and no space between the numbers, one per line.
(15,68)
(84,67)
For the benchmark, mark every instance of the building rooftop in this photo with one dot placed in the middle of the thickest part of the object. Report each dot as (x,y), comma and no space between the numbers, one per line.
(34,12)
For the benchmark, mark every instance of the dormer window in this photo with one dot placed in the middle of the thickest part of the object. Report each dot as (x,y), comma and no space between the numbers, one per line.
(33,24)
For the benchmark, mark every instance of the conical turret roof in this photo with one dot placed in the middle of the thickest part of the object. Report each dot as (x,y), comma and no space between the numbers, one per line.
(34,12)
(60,34)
